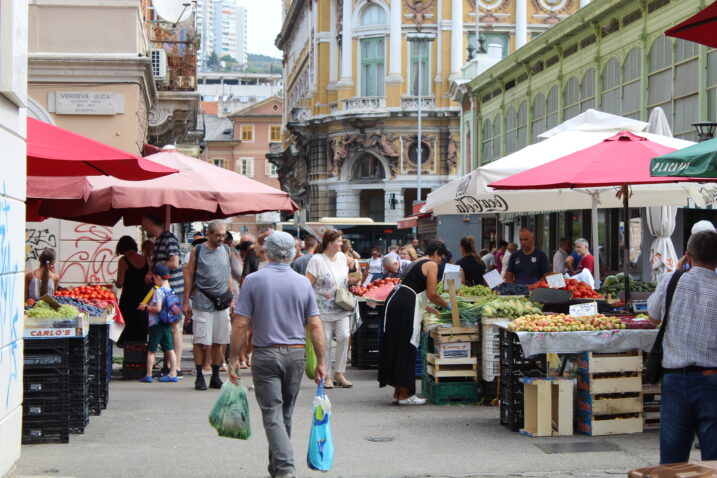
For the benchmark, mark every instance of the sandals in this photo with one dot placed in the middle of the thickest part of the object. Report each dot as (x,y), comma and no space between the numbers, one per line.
(343,383)
(328,384)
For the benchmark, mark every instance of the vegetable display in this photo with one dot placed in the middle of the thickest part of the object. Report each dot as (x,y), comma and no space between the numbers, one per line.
(469,312)
(511,288)
(509,308)
(615,284)
(580,290)
(565,323)
(42,310)
(467,291)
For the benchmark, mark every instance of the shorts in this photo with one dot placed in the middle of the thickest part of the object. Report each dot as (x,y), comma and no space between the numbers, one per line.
(211,327)
(160,335)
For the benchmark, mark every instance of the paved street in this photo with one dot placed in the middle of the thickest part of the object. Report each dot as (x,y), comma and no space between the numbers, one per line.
(161,429)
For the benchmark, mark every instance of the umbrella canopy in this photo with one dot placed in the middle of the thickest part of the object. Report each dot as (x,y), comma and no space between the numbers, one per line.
(198,192)
(53,151)
(696,161)
(699,28)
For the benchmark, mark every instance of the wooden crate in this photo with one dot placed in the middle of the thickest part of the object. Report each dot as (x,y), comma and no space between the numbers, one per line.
(547,401)
(443,368)
(593,405)
(592,362)
(454,334)
(592,425)
(596,384)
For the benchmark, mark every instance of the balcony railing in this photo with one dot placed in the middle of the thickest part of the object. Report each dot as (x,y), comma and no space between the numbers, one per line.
(411,103)
(365,103)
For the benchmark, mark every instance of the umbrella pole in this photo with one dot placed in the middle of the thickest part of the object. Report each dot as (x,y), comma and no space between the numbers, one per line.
(626,221)
(167,216)
(596,239)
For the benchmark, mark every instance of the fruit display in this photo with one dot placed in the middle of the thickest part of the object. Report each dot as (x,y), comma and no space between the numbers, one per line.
(615,284)
(378,290)
(509,308)
(640,321)
(88,292)
(580,290)
(565,323)
(93,308)
(467,291)
(511,288)
(42,310)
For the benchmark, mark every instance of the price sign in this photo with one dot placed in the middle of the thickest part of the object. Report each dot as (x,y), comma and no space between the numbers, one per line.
(555,281)
(582,310)
(493,279)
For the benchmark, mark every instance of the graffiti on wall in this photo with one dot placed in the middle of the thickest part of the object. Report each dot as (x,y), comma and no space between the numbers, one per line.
(37,239)
(94,259)
(9,310)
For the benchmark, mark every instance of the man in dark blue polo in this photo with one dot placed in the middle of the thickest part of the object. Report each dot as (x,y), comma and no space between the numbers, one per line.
(529,264)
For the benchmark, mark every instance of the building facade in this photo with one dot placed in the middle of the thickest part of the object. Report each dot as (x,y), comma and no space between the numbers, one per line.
(235,91)
(223,29)
(353,92)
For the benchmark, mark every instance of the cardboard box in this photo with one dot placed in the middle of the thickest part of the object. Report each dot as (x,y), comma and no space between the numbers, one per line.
(453,349)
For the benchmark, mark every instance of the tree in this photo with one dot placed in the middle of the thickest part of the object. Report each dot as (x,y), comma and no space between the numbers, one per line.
(213,62)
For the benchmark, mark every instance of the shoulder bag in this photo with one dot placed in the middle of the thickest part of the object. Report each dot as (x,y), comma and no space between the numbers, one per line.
(654,369)
(343,297)
(224,300)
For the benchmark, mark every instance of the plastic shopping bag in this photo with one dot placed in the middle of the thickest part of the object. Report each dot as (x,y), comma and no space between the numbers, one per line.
(310,368)
(321,446)
(230,415)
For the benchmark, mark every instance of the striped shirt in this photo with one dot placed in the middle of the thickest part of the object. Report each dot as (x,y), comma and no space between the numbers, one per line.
(165,247)
(691,335)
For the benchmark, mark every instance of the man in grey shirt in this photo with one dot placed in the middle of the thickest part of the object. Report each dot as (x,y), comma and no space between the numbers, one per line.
(564,249)
(689,383)
(277,304)
(300,264)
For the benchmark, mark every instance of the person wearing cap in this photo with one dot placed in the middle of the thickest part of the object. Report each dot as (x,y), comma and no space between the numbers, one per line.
(703,225)
(160,334)
(279,306)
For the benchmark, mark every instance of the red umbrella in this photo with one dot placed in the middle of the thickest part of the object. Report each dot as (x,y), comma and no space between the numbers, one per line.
(621,160)
(198,192)
(699,28)
(53,151)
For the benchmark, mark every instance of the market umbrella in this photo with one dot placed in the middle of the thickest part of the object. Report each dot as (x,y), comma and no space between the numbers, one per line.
(53,151)
(699,28)
(696,161)
(198,192)
(620,160)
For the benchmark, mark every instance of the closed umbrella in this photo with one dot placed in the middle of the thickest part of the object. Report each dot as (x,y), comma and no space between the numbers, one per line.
(53,151)
(699,28)
(198,192)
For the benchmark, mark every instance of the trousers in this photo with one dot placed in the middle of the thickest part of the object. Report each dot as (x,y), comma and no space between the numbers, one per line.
(689,408)
(340,329)
(277,374)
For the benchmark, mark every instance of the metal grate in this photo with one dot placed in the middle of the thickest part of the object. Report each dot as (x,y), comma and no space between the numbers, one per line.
(656,4)
(552,61)
(631,17)
(570,50)
(586,42)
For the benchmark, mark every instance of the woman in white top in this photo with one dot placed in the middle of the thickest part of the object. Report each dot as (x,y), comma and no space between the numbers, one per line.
(505,259)
(328,270)
(374,263)
(44,279)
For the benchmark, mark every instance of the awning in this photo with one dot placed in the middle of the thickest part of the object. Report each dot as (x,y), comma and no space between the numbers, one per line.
(411,221)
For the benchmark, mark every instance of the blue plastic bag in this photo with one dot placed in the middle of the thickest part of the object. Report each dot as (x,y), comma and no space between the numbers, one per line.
(321,446)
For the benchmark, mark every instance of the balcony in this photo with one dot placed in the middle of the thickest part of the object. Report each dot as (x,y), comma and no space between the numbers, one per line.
(411,103)
(181,51)
(364,104)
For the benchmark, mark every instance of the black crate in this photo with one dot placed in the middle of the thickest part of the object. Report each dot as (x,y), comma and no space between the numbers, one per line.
(512,396)
(135,352)
(489,390)
(45,433)
(41,360)
(45,408)
(36,382)
(511,417)
(132,371)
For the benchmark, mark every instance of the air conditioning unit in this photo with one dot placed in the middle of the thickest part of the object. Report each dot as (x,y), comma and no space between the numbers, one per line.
(159,64)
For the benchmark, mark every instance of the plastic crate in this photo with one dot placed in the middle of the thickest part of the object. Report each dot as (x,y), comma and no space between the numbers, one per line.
(49,360)
(45,408)
(135,352)
(132,371)
(449,393)
(489,389)
(45,382)
(44,433)
(511,417)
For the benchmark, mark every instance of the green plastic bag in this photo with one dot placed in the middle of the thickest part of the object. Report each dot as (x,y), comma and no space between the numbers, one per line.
(310,358)
(230,414)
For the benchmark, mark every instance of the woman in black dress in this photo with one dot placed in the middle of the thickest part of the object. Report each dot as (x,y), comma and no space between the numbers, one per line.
(131,271)
(471,264)
(402,325)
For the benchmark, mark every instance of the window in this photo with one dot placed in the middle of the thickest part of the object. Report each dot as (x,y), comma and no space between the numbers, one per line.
(274,134)
(611,83)
(372,66)
(368,166)
(218,163)
(245,166)
(538,115)
(501,39)
(571,99)
(510,130)
(497,123)
(659,80)
(419,55)
(373,15)
(413,152)
(247,133)
(271,170)
(551,116)
(631,84)
(712,84)
(487,142)
(522,132)
(587,91)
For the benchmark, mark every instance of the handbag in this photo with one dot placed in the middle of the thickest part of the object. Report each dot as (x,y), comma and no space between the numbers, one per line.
(654,370)
(224,300)
(343,298)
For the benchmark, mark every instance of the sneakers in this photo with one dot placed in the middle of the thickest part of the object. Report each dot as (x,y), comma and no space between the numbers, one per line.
(146,379)
(199,383)
(215,382)
(167,378)
(412,400)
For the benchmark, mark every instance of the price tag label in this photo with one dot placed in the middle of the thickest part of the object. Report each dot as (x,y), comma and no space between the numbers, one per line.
(555,281)
(582,310)
(493,279)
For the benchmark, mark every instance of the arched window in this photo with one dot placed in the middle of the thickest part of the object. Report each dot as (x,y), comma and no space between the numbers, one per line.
(368,166)
(486,154)
(587,91)
(659,79)
(610,98)
(510,130)
(685,96)
(538,115)
(497,123)
(522,133)
(571,98)
(712,84)
(373,15)
(551,116)
(631,84)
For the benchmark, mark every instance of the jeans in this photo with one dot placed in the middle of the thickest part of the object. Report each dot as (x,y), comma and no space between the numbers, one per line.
(689,407)
(277,374)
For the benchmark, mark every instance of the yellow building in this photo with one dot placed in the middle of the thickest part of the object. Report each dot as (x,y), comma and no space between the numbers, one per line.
(351,73)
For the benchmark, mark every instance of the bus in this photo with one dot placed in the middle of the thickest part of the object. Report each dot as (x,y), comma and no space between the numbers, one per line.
(363,232)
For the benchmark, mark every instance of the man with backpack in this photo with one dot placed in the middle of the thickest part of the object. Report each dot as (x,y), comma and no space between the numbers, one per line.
(209,285)
(164,309)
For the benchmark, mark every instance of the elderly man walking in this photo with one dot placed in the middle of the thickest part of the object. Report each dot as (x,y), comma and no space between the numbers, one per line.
(278,304)
(209,284)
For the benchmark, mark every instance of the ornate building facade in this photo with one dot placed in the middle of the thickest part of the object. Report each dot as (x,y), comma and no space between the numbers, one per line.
(352,83)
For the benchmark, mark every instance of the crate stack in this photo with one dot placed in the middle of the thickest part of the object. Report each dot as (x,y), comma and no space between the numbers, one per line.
(610,393)
(46,383)
(365,342)
(450,365)
(514,365)
(98,367)
(134,362)
(490,357)
(651,401)
(79,396)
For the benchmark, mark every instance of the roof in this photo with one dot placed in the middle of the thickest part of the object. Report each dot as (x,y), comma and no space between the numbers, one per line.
(215,128)
(258,109)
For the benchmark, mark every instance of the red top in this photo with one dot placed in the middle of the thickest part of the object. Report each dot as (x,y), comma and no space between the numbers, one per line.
(587,262)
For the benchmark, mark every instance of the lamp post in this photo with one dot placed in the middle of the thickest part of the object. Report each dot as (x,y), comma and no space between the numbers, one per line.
(705,130)
(423,40)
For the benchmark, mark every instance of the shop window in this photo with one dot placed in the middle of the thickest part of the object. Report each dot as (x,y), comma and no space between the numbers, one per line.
(372,66)
(610,98)
(275,134)
(247,133)
(538,125)
(419,55)
(369,166)
(587,91)
(631,84)
(571,98)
